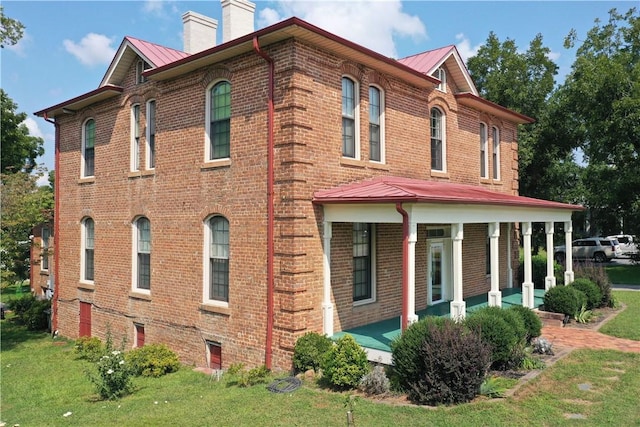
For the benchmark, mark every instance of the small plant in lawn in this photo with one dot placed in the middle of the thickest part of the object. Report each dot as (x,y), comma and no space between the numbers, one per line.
(240,376)
(375,383)
(583,315)
(492,387)
(89,348)
(529,363)
(152,360)
(309,351)
(114,376)
(345,364)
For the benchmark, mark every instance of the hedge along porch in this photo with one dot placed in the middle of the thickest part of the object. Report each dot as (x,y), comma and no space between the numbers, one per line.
(410,202)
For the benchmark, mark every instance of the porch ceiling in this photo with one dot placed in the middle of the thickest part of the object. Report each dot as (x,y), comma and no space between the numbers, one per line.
(375,200)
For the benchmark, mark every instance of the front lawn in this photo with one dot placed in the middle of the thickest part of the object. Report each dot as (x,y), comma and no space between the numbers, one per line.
(628,274)
(42,381)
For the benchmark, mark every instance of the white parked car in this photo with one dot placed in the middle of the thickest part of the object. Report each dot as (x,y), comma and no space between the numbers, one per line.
(628,244)
(598,249)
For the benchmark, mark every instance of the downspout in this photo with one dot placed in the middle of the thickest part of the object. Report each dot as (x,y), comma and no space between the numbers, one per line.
(405,266)
(56,228)
(270,215)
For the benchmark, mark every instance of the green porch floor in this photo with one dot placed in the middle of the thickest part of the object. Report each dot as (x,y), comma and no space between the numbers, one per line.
(379,335)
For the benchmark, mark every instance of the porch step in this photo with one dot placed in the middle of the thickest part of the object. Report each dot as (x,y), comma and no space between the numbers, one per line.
(548,317)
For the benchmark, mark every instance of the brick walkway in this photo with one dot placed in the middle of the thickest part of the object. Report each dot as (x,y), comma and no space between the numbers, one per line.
(571,337)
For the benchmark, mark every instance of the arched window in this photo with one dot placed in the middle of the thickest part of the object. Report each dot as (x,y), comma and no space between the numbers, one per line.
(350,143)
(217,274)
(441,75)
(438,146)
(219,126)
(88,148)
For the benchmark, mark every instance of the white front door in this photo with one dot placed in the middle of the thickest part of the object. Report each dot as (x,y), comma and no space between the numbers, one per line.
(436,273)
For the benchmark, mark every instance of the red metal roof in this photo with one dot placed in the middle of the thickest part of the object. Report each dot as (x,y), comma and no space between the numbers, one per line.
(391,189)
(425,62)
(158,55)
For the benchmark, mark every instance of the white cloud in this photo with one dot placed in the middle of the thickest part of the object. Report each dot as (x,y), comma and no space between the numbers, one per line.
(34,129)
(93,49)
(465,48)
(153,6)
(554,56)
(22,45)
(373,24)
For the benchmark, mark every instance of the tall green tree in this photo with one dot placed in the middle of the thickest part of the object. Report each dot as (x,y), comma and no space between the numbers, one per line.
(524,82)
(24,205)
(11,30)
(601,96)
(19,150)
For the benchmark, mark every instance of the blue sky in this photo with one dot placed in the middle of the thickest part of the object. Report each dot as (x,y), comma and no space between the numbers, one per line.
(68,45)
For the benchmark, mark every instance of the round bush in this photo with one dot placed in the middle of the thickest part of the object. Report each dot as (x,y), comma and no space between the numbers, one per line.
(405,350)
(345,364)
(590,290)
(597,274)
(504,337)
(453,364)
(539,271)
(564,299)
(309,351)
(532,322)
(152,360)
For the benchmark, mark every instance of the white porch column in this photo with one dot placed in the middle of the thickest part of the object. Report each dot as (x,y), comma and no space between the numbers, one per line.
(413,238)
(458,307)
(327,306)
(527,286)
(495,296)
(550,280)
(509,256)
(568,274)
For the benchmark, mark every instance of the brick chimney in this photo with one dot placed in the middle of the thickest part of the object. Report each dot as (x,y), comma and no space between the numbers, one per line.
(237,18)
(199,32)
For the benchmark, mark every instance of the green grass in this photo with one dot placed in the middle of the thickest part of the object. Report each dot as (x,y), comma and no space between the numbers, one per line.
(42,379)
(14,291)
(625,324)
(624,274)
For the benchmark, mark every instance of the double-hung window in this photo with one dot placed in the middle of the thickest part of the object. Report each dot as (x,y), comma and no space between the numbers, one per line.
(87,260)
(219,121)
(135,137)
(438,151)
(376,124)
(350,118)
(88,148)
(151,134)
(218,286)
(484,155)
(142,271)
(46,234)
(496,153)
(363,280)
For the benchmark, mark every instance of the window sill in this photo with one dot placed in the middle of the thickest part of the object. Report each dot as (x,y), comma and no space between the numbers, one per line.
(87,286)
(141,173)
(363,302)
(214,164)
(378,166)
(44,272)
(440,174)
(347,161)
(141,296)
(87,180)
(215,309)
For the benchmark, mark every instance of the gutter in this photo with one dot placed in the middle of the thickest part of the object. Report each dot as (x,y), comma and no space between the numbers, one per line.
(405,267)
(270,203)
(56,228)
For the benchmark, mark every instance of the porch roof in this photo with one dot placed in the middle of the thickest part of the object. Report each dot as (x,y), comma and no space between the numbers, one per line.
(392,189)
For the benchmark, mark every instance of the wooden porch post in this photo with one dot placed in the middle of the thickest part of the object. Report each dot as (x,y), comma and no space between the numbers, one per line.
(550,280)
(327,306)
(457,306)
(495,296)
(527,286)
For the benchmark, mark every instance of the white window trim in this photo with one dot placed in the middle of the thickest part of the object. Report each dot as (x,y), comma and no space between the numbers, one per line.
(147,134)
(135,145)
(83,149)
(356,113)
(206,273)
(134,258)
(45,248)
(441,74)
(373,270)
(83,247)
(495,135)
(483,145)
(382,127)
(443,118)
(207,125)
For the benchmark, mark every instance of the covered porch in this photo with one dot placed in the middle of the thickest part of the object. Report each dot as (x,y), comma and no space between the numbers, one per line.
(376,337)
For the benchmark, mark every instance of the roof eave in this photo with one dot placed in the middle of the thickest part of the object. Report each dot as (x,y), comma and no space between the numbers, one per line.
(80,102)
(481,104)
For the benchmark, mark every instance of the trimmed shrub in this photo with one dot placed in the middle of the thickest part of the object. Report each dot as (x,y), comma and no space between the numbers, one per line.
(375,383)
(242,377)
(154,360)
(345,364)
(453,364)
(597,274)
(539,271)
(309,351)
(89,348)
(564,299)
(532,322)
(503,330)
(590,290)
(32,312)
(405,349)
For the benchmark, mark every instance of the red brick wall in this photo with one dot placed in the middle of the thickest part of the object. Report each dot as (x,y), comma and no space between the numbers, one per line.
(182,193)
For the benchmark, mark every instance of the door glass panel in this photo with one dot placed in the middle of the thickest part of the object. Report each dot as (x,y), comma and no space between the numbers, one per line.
(436,272)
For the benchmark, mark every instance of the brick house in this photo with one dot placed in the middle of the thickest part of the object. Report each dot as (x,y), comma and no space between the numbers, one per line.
(287,180)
